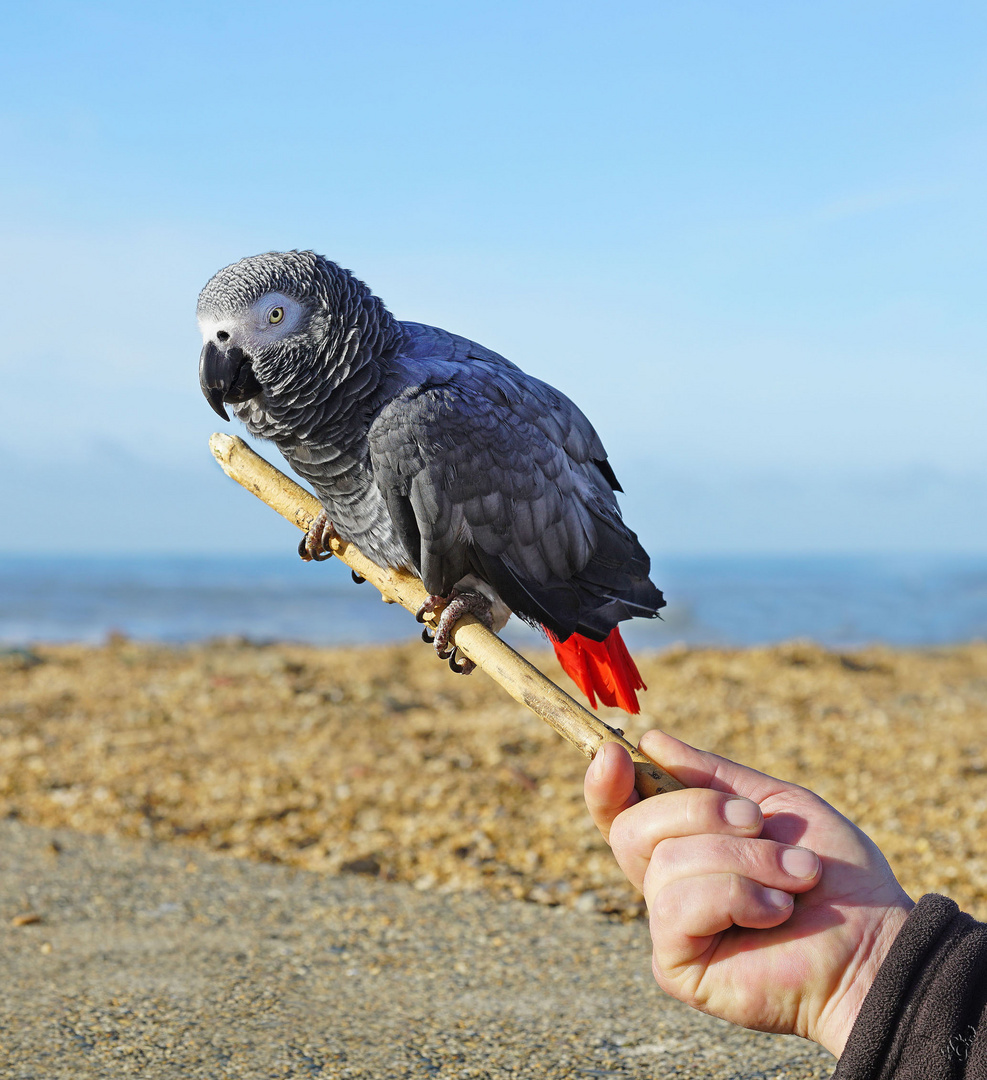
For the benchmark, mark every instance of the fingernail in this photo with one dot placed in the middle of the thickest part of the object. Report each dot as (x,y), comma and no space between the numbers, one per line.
(741,813)
(777,898)
(800,862)
(597,765)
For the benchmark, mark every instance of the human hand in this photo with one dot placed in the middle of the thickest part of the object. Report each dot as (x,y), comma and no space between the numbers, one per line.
(770,910)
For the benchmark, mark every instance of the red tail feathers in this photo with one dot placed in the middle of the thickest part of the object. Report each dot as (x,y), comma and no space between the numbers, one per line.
(601,669)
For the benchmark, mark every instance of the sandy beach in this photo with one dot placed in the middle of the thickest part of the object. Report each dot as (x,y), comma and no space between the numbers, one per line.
(196,835)
(380,761)
(165,963)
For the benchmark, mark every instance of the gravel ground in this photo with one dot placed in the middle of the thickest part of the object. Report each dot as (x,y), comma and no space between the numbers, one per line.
(382,762)
(153,961)
(286,861)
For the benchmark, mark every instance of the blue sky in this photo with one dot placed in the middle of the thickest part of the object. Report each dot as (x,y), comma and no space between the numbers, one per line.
(749,239)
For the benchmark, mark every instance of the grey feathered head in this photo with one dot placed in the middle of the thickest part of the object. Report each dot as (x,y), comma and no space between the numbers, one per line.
(277,324)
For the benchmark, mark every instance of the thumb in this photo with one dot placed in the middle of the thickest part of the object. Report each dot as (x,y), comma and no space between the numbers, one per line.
(609,786)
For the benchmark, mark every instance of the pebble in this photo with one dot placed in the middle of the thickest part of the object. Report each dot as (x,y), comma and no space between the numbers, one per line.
(381,763)
(256,971)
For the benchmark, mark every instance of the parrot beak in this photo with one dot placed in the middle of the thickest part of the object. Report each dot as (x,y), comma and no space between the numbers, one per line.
(226,376)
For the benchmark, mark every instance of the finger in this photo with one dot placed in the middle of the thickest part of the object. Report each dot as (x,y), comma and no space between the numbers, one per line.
(699,768)
(688,914)
(772,865)
(609,786)
(692,813)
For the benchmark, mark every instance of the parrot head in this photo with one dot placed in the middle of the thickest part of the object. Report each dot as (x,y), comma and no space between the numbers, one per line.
(265,322)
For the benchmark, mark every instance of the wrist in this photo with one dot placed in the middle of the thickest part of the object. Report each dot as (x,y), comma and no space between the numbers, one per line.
(836,1020)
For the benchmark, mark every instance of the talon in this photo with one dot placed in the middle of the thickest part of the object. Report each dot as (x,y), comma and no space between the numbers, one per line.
(461,665)
(428,607)
(457,604)
(357,580)
(427,636)
(312,546)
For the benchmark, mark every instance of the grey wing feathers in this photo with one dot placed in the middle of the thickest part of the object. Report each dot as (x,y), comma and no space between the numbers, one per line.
(486,470)
(479,472)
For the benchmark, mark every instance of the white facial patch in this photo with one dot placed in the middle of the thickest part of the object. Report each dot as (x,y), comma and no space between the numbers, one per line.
(253,329)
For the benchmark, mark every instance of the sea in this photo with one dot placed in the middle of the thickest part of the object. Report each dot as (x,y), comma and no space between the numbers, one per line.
(732,601)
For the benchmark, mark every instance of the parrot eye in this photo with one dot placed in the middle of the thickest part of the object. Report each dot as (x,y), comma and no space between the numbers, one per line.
(276,315)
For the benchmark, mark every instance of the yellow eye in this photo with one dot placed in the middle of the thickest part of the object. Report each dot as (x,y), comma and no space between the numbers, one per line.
(277,314)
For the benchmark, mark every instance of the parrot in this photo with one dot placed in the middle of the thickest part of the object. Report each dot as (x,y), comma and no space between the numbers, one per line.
(432,454)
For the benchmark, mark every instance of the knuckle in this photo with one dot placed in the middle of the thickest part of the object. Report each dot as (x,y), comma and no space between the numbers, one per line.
(699,803)
(663,859)
(751,858)
(737,891)
(744,858)
(620,835)
(665,909)
(661,970)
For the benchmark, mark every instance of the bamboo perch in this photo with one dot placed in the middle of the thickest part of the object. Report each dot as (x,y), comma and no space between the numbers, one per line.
(521,680)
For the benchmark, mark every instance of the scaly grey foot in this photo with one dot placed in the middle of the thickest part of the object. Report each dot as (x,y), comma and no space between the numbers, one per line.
(457,604)
(314,545)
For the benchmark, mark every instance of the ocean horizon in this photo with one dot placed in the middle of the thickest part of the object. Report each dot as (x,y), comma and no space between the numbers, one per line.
(840,601)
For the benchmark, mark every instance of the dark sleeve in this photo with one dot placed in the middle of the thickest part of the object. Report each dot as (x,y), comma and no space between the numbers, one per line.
(924,1017)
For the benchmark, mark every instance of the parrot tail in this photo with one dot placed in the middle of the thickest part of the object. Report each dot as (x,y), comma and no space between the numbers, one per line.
(601,669)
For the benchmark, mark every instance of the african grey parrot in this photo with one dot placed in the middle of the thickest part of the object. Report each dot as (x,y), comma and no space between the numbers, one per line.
(432,453)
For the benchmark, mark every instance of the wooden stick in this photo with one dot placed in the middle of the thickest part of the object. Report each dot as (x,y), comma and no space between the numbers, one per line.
(521,680)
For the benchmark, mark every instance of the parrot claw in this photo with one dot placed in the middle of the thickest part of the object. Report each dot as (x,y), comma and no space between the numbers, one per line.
(460,664)
(429,606)
(308,556)
(457,604)
(313,545)
(427,635)
(357,580)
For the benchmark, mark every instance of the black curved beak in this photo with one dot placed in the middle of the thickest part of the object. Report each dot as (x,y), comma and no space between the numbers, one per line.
(226,376)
